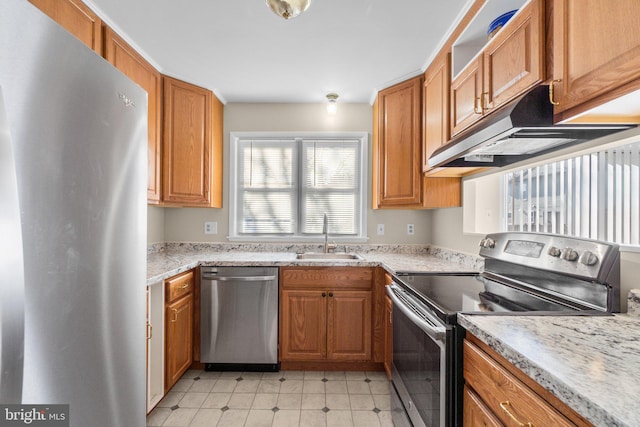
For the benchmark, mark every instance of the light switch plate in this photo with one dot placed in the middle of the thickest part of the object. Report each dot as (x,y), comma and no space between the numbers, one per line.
(380,229)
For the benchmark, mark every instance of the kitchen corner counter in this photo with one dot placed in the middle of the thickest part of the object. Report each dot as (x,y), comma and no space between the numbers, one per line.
(176,258)
(592,363)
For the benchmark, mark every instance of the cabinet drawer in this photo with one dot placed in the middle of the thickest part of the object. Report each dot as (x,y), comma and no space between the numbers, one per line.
(349,278)
(179,285)
(507,397)
(475,413)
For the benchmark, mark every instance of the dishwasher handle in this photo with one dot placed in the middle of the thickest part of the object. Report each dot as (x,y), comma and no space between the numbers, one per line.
(237,278)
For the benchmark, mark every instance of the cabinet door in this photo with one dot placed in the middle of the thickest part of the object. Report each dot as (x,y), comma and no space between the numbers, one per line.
(76,18)
(596,50)
(399,145)
(514,58)
(187,144)
(388,335)
(303,325)
(466,90)
(134,66)
(179,339)
(349,325)
(475,413)
(437,83)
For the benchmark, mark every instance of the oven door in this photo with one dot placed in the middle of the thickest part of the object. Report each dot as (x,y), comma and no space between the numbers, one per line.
(422,354)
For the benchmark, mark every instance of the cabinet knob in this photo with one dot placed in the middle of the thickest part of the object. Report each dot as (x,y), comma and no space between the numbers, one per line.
(324,294)
(330,294)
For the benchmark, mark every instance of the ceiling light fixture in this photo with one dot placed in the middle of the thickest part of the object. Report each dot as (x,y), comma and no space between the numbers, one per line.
(332,103)
(288,9)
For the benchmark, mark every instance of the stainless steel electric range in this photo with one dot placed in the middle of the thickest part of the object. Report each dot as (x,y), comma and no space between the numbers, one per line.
(524,274)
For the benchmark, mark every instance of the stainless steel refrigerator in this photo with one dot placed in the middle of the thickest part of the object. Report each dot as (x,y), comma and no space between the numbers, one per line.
(72,226)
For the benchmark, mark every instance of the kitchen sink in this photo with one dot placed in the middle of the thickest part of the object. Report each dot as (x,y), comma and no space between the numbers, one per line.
(328,256)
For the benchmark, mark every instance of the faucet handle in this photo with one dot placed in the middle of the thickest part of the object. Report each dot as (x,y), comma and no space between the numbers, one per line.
(332,247)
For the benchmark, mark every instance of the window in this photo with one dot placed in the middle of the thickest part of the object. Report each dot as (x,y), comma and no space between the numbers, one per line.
(282,185)
(594,196)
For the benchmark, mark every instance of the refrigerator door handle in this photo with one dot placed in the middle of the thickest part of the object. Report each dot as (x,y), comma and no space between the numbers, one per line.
(11,271)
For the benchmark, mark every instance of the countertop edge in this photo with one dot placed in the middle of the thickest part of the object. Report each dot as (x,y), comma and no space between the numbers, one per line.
(579,403)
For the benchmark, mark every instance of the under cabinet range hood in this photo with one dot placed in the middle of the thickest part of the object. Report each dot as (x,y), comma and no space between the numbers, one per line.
(520,130)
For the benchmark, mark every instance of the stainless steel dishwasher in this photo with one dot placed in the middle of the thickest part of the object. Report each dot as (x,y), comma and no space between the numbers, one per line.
(239,318)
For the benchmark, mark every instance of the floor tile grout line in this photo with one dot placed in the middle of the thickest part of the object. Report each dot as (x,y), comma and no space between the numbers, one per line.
(344,377)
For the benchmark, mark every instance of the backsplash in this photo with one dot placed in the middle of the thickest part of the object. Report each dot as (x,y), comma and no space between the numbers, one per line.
(472,261)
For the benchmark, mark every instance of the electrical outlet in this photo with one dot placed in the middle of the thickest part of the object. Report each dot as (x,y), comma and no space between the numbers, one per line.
(380,229)
(211,227)
(410,229)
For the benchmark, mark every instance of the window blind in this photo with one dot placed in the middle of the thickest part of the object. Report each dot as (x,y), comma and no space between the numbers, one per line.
(595,196)
(284,186)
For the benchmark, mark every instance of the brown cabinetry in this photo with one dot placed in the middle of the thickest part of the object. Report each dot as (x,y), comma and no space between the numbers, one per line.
(596,52)
(497,393)
(397,146)
(134,66)
(192,147)
(397,152)
(509,65)
(326,314)
(179,318)
(75,17)
(435,97)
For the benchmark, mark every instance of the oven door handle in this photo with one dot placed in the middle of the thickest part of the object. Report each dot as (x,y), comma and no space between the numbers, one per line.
(437,333)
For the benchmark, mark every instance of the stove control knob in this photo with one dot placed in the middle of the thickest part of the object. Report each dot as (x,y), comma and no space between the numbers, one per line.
(554,252)
(588,258)
(569,254)
(488,243)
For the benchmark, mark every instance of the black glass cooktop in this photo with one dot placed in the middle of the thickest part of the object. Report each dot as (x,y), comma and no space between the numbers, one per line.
(449,294)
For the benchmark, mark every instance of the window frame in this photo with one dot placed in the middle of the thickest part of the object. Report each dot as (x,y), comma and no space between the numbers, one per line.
(362,206)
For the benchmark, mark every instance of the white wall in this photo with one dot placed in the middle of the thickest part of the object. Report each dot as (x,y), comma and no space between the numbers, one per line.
(187,224)
(155,225)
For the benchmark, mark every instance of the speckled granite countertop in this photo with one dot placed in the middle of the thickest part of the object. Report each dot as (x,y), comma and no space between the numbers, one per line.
(590,363)
(174,258)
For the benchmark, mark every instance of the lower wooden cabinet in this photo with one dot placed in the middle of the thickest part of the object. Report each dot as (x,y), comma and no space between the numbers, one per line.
(326,314)
(475,413)
(497,393)
(179,311)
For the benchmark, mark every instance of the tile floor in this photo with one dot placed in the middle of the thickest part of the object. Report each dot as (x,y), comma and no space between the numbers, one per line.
(276,399)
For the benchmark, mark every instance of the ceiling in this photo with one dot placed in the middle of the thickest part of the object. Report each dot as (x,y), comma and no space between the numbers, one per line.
(245,53)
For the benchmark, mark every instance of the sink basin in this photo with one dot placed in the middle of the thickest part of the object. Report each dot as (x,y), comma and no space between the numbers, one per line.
(328,256)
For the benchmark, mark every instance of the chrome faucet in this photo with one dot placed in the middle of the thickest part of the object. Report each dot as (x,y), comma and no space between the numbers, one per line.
(325,231)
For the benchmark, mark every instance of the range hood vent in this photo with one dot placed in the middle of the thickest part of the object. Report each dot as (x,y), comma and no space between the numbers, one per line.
(520,130)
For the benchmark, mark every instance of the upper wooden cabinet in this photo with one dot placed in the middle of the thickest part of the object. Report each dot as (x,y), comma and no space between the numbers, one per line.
(76,18)
(397,146)
(134,66)
(511,63)
(596,53)
(466,95)
(435,102)
(192,150)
